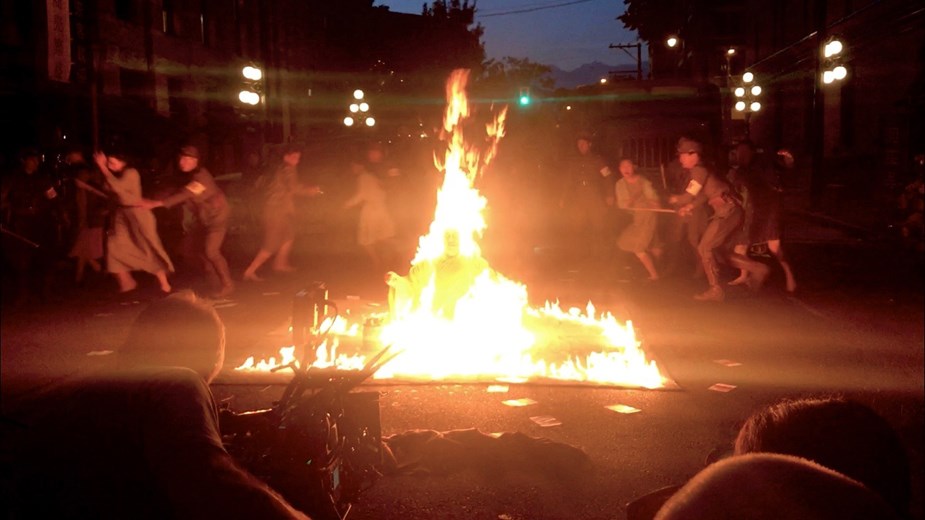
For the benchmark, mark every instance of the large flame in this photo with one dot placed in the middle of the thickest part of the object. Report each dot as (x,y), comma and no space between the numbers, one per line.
(488,330)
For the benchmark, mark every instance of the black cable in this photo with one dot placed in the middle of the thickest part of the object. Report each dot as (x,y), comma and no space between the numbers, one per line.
(531,9)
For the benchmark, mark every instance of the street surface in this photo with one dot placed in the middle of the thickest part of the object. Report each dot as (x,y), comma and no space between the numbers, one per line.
(855,327)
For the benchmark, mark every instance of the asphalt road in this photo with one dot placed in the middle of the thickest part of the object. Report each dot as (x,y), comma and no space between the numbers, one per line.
(854,328)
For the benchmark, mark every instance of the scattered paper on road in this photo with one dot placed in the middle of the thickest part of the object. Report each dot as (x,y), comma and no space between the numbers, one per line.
(526,401)
(99,353)
(727,362)
(546,421)
(623,408)
(497,389)
(271,293)
(512,379)
(722,387)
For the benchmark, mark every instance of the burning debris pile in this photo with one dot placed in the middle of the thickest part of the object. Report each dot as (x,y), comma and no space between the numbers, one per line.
(453,317)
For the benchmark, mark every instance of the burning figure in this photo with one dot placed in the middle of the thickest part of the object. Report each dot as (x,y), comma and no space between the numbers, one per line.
(451,276)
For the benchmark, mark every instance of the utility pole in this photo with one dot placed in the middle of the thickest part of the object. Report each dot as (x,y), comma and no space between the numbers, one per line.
(625,48)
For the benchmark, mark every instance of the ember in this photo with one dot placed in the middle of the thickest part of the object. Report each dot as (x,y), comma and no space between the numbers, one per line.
(454,317)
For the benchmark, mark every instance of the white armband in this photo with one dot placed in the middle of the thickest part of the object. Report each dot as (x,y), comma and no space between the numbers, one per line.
(694,187)
(196,187)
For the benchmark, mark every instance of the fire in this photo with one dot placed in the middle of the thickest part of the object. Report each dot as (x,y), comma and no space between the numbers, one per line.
(453,317)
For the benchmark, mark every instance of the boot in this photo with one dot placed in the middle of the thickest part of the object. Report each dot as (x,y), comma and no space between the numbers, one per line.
(714,294)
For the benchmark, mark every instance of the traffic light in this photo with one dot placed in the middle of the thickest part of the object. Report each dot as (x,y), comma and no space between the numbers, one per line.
(524,98)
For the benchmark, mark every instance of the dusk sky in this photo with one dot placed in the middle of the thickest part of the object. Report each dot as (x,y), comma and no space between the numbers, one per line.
(564,33)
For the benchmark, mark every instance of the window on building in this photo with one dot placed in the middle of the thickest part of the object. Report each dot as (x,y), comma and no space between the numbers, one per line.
(204,22)
(126,10)
(168,17)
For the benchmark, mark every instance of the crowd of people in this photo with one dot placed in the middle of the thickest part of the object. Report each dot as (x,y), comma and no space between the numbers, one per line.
(104,214)
(721,216)
(701,219)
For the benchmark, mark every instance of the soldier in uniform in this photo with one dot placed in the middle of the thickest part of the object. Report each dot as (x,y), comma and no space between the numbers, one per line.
(30,207)
(705,187)
(587,193)
(208,204)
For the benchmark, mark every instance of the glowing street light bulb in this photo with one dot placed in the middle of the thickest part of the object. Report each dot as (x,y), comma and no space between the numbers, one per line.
(364,107)
(828,77)
(568,107)
(370,121)
(354,108)
(756,90)
(740,106)
(348,121)
(671,42)
(840,72)
(755,106)
(832,48)
(739,91)
(252,73)
(730,52)
(248,97)
(603,81)
(358,94)
(748,77)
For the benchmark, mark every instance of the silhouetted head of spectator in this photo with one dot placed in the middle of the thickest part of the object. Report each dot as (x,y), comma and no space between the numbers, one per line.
(179,330)
(839,434)
(770,486)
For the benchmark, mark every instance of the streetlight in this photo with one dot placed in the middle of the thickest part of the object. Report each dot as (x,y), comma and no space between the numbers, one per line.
(252,86)
(672,42)
(252,73)
(832,56)
(359,111)
(746,98)
(249,97)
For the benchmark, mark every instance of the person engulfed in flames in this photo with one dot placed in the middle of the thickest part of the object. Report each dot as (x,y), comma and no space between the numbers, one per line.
(438,284)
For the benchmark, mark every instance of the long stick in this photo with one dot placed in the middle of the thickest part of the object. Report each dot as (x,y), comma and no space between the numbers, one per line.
(18,236)
(84,186)
(653,210)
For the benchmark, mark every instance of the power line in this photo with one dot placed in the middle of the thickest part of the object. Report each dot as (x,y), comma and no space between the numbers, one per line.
(532,9)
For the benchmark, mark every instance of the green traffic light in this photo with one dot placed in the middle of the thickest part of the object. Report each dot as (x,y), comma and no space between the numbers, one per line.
(524,100)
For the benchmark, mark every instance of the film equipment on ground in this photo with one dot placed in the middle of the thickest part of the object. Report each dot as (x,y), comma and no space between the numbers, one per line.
(319,445)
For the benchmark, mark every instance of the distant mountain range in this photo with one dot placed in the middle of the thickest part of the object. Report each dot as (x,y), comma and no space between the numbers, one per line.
(592,73)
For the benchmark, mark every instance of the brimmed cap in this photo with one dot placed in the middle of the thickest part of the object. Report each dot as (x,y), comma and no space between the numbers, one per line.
(686,145)
(190,151)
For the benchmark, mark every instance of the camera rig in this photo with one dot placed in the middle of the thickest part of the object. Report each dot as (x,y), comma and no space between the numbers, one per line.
(319,446)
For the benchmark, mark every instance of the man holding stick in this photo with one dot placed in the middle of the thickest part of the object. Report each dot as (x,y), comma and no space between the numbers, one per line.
(705,187)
